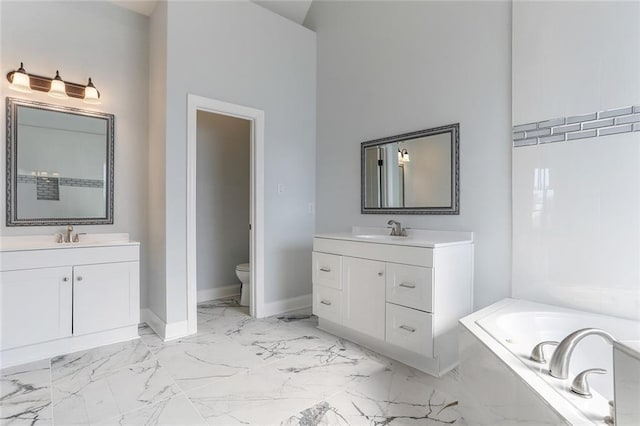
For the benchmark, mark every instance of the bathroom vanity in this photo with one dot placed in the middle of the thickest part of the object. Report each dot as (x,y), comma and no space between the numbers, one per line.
(58,298)
(400,296)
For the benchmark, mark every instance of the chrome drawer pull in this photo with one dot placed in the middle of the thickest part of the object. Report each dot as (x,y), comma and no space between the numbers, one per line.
(324,269)
(65,279)
(79,278)
(408,285)
(406,327)
(325,302)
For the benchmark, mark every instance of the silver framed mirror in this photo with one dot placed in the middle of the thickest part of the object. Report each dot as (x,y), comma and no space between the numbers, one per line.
(60,164)
(412,173)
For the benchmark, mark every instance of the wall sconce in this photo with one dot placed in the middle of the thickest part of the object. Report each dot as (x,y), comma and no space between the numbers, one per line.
(403,156)
(55,87)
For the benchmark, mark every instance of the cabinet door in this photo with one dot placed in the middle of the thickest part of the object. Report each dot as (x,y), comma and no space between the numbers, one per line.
(35,306)
(363,292)
(105,296)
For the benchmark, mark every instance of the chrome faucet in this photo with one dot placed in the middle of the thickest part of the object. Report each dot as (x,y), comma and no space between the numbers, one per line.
(67,236)
(559,364)
(396,229)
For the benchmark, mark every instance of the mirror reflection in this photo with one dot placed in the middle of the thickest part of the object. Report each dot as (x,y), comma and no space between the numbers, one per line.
(61,165)
(413,173)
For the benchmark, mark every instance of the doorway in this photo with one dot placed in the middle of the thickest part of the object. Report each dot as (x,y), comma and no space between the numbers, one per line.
(214,111)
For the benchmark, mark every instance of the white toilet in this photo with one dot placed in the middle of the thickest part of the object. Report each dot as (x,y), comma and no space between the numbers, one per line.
(243,272)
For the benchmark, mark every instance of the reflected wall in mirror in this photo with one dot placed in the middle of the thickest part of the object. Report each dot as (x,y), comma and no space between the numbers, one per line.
(59,165)
(412,173)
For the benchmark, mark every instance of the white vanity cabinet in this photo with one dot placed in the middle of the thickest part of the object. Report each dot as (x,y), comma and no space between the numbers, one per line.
(59,299)
(400,296)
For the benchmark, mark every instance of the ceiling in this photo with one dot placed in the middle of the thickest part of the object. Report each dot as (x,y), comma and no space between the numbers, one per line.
(295,10)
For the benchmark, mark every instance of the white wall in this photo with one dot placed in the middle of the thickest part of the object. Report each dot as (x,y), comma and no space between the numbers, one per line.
(109,44)
(386,68)
(222,198)
(576,204)
(156,197)
(254,58)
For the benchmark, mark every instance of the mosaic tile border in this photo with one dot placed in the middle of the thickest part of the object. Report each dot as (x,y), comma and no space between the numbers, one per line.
(602,123)
(86,183)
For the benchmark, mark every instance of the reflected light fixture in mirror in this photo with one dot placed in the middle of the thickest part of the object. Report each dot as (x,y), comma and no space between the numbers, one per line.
(20,81)
(58,88)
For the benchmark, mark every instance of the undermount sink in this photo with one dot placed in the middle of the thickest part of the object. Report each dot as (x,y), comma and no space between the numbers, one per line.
(416,237)
(380,237)
(35,242)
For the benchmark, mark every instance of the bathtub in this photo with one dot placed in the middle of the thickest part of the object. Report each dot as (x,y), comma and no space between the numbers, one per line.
(501,385)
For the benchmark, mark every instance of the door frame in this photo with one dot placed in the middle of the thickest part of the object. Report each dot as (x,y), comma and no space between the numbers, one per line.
(256,217)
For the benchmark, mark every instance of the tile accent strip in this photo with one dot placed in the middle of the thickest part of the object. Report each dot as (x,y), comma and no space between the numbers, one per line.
(86,183)
(602,123)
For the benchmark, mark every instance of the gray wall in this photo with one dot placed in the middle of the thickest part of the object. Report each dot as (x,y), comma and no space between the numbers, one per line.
(257,59)
(386,68)
(109,44)
(223,179)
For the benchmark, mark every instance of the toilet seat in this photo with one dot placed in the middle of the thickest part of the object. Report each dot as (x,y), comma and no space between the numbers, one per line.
(243,267)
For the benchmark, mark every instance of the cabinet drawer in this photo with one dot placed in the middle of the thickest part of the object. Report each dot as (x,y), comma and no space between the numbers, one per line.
(410,329)
(327,303)
(410,286)
(327,270)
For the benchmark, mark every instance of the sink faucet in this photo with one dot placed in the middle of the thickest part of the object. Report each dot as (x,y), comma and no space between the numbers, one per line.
(67,236)
(559,364)
(396,229)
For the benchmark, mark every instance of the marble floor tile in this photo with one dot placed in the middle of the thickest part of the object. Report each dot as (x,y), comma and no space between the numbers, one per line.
(90,399)
(33,408)
(24,379)
(98,361)
(205,358)
(169,412)
(389,397)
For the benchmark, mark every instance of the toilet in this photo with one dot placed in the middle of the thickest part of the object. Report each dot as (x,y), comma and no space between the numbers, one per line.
(243,272)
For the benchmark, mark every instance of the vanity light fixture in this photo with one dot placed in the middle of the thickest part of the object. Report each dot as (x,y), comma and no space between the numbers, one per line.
(58,88)
(55,87)
(19,80)
(403,156)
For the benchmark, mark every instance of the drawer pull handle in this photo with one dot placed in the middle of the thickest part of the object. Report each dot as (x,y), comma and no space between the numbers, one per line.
(325,269)
(65,279)
(408,285)
(325,302)
(79,278)
(406,327)
(380,274)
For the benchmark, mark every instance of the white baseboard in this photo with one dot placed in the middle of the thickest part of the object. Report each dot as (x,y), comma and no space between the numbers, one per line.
(166,331)
(286,305)
(38,351)
(207,294)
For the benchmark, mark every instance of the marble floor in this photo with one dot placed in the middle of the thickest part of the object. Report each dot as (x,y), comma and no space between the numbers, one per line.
(235,370)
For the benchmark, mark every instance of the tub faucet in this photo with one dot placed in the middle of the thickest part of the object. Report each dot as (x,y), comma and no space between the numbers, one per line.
(559,364)
(396,229)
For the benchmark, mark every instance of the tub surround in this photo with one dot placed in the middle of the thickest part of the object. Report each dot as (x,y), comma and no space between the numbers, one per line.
(626,359)
(495,345)
(400,296)
(63,297)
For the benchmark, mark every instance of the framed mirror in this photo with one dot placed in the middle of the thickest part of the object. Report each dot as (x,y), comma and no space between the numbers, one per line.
(412,173)
(59,165)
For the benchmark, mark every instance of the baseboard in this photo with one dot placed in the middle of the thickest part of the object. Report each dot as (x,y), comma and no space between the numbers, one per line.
(286,305)
(207,294)
(38,351)
(166,331)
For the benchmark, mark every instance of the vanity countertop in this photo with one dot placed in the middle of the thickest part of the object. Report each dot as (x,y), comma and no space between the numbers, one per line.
(48,242)
(416,237)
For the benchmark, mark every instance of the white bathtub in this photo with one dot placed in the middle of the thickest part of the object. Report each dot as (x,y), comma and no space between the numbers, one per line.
(501,385)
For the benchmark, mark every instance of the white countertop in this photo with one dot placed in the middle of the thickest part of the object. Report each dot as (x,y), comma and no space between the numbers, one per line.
(416,237)
(48,242)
